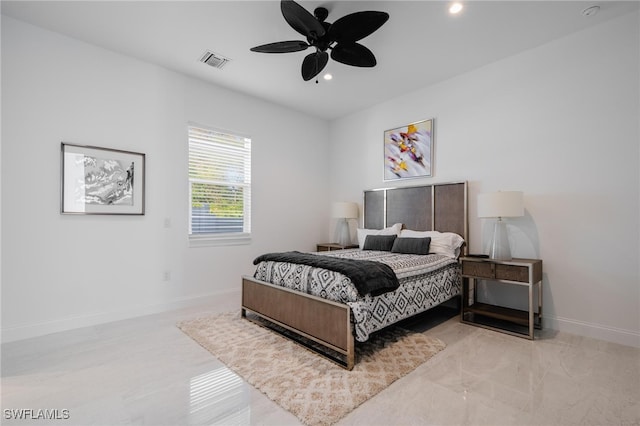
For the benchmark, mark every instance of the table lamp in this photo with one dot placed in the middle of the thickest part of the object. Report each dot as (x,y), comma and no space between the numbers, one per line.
(344,211)
(500,205)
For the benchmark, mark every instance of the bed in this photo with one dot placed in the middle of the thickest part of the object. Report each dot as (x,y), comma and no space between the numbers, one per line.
(324,307)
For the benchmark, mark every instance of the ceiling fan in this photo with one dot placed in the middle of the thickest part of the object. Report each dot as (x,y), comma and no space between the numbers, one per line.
(340,37)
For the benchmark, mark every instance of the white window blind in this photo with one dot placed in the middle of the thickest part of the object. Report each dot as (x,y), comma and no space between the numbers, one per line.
(219,184)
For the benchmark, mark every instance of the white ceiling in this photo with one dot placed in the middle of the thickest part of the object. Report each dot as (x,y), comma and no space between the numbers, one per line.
(420,45)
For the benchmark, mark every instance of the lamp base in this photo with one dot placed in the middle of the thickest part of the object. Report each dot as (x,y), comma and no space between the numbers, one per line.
(499,247)
(343,236)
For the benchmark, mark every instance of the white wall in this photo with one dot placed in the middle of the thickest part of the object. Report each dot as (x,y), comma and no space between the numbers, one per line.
(60,271)
(559,122)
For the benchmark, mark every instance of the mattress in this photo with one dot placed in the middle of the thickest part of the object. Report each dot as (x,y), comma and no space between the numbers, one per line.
(425,282)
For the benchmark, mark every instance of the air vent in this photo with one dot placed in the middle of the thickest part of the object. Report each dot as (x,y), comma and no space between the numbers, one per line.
(213,59)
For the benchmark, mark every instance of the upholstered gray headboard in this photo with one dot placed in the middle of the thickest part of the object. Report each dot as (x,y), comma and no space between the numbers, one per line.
(436,207)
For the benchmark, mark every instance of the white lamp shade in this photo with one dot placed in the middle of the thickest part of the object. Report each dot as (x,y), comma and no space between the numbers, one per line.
(501,204)
(345,210)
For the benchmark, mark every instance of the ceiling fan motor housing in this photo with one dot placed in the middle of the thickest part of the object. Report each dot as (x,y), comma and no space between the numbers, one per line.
(321,13)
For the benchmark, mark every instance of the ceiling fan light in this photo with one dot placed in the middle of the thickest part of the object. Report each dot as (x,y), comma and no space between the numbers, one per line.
(328,76)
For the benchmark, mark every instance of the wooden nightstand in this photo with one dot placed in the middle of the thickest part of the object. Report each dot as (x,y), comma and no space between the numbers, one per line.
(524,272)
(334,246)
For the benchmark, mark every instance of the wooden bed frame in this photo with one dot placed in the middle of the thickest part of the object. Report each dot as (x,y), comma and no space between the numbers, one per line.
(440,207)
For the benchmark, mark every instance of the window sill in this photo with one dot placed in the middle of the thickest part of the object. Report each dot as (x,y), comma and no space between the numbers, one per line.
(212,240)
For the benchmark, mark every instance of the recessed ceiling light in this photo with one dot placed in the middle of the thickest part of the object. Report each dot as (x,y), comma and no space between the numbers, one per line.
(455,8)
(590,11)
(328,76)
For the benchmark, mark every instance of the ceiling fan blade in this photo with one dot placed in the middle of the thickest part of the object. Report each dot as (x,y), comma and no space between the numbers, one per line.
(301,20)
(353,54)
(281,47)
(313,64)
(356,26)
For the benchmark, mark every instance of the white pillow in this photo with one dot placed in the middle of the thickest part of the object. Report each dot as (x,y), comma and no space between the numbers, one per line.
(445,243)
(392,230)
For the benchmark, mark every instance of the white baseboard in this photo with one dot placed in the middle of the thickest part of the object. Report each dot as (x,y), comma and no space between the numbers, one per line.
(596,331)
(26,331)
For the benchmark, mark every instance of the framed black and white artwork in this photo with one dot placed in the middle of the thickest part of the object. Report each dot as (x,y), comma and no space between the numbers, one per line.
(101,180)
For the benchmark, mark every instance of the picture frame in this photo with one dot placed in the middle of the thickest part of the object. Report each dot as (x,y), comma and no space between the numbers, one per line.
(408,151)
(97,180)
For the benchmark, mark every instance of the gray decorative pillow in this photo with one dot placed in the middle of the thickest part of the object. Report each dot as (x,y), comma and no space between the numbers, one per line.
(411,245)
(379,242)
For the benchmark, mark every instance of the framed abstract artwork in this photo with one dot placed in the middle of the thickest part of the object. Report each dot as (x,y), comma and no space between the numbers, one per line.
(408,151)
(101,180)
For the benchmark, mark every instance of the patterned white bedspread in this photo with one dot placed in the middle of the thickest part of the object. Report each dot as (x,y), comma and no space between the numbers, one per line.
(425,281)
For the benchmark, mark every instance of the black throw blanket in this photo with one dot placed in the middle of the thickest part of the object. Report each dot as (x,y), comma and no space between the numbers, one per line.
(368,276)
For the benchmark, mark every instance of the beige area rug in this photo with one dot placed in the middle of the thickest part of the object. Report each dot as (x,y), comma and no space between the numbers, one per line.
(314,389)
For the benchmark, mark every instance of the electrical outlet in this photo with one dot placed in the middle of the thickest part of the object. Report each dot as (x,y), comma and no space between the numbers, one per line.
(166,276)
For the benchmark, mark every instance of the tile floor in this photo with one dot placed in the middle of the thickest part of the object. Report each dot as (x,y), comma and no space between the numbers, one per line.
(145,371)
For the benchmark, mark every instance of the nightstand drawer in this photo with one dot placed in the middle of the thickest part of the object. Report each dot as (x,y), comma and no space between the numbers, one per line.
(478,269)
(512,273)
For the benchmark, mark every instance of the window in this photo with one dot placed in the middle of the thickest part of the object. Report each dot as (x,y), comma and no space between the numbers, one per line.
(219,186)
